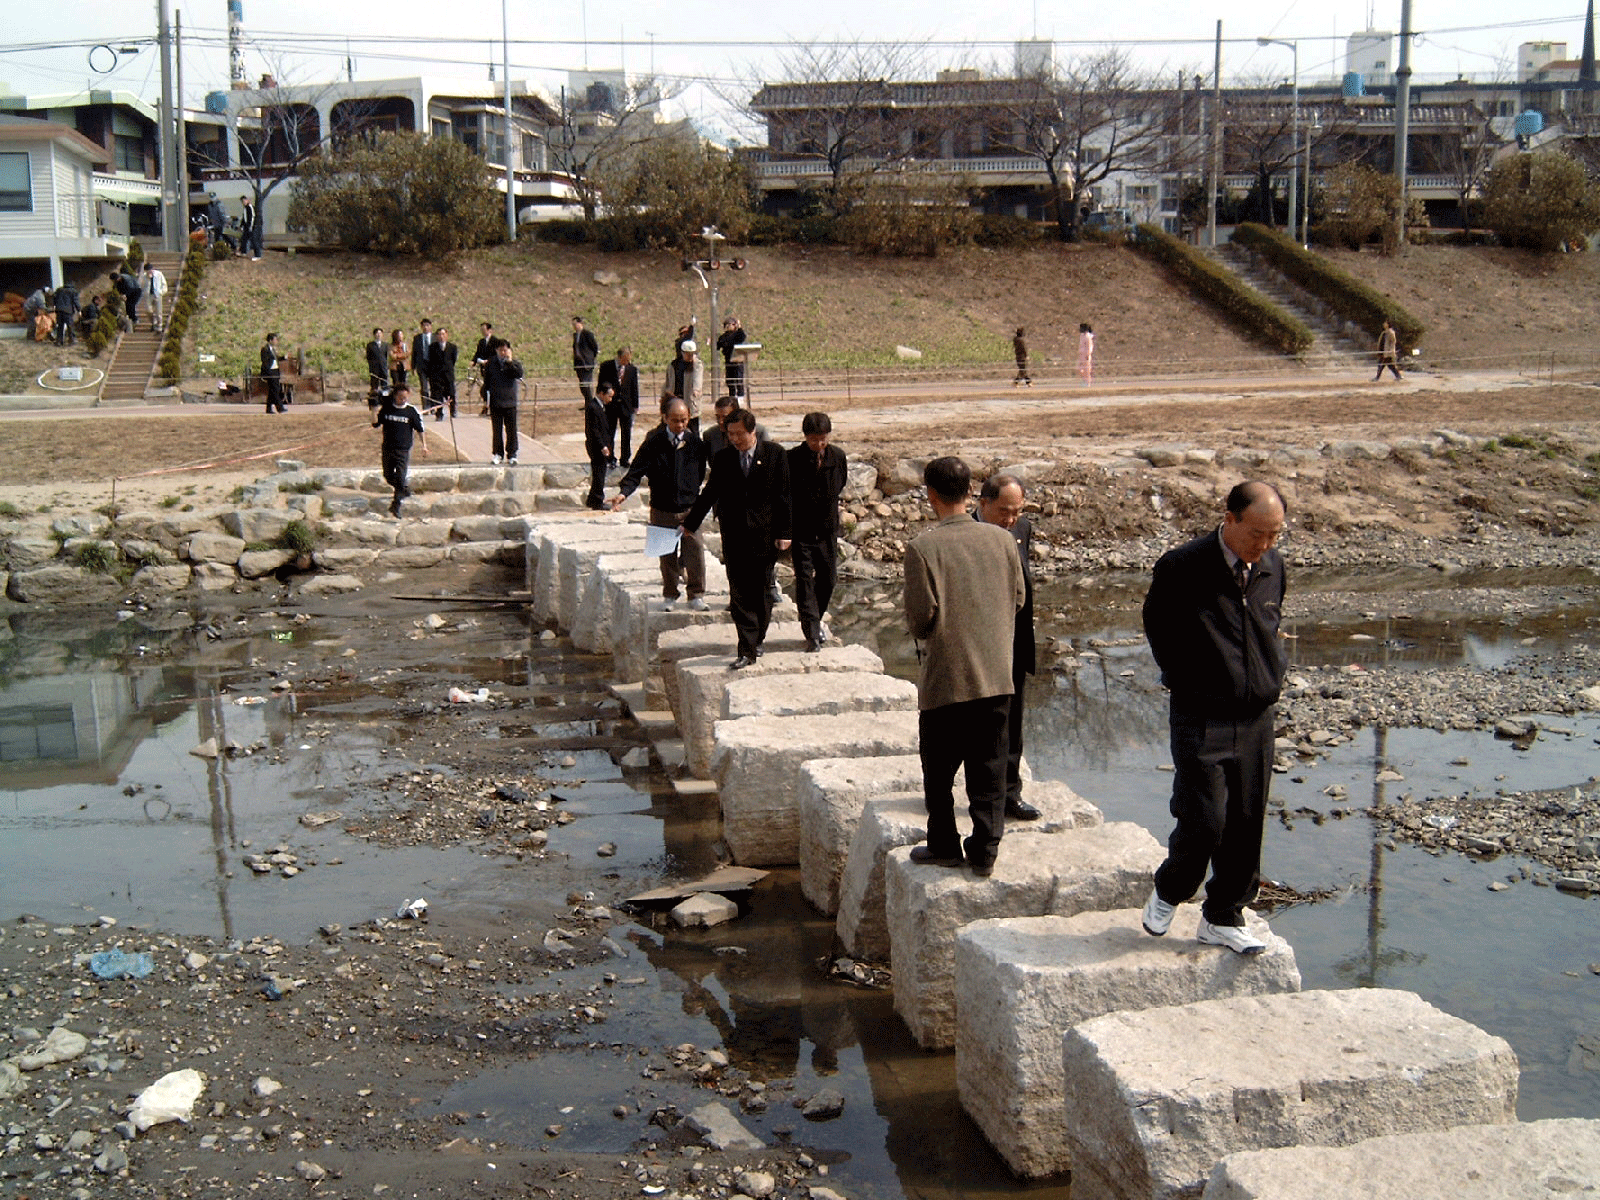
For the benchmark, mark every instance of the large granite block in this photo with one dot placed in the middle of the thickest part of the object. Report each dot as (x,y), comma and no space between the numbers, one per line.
(884,822)
(577,556)
(541,571)
(1542,1159)
(833,792)
(648,619)
(702,682)
(1022,982)
(1035,875)
(591,623)
(757,768)
(819,693)
(1159,1097)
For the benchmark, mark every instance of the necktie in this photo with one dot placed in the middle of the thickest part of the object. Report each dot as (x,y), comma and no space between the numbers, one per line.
(744,461)
(677,443)
(1241,572)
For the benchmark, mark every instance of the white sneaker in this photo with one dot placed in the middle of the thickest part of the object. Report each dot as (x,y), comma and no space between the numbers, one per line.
(511,462)
(824,632)
(699,604)
(1235,937)
(1157,915)
(497,460)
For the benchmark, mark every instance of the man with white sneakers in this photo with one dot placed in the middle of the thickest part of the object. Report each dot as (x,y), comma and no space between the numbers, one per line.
(1211,617)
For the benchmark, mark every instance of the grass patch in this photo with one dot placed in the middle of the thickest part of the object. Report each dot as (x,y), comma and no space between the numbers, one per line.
(298,537)
(99,557)
(8,509)
(305,487)
(170,501)
(1519,441)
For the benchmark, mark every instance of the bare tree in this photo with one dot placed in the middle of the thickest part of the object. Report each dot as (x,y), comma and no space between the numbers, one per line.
(1463,150)
(1096,118)
(836,103)
(1259,139)
(599,132)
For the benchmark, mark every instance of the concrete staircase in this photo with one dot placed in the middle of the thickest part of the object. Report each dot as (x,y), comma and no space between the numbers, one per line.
(1332,346)
(133,361)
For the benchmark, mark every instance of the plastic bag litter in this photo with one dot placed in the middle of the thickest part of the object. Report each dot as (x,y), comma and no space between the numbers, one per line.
(114,964)
(461,696)
(170,1098)
(415,909)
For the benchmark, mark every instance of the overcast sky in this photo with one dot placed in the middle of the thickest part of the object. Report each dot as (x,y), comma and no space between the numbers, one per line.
(696,42)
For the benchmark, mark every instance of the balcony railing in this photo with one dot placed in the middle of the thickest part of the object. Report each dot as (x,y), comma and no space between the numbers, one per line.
(800,168)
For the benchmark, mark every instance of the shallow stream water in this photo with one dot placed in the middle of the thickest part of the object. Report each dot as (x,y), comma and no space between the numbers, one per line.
(103,809)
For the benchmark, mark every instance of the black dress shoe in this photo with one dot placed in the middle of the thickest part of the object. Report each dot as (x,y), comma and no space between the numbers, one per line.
(812,645)
(1021,810)
(982,869)
(740,663)
(927,858)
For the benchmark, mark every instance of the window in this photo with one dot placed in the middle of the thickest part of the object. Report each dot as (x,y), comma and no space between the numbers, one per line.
(128,153)
(16,182)
(441,128)
(532,153)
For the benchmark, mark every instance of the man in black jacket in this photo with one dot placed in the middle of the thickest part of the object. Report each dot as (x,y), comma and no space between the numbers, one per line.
(377,368)
(597,443)
(480,359)
(422,361)
(399,422)
(502,379)
(272,374)
(585,350)
(442,373)
(728,341)
(67,309)
(817,475)
(673,459)
(1000,502)
(749,488)
(623,377)
(1211,617)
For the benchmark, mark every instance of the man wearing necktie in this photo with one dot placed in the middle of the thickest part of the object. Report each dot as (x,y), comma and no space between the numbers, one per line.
(817,475)
(1211,617)
(585,350)
(422,361)
(749,488)
(673,458)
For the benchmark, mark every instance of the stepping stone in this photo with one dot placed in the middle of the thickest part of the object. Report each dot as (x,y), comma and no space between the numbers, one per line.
(1159,1097)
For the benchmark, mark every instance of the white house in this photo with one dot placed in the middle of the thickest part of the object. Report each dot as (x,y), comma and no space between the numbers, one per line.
(49,212)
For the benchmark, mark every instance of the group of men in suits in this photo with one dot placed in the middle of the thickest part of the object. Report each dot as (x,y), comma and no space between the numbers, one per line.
(433,360)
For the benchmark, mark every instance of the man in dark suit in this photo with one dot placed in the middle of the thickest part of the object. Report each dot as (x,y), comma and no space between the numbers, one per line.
(1000,503)
(442,373)
(1211,618)
(749,487)
(377,368)
(480,359)
(623,377)
(272,374)
(673,459)
(422,361)
(585,350)
(597,442)
(817,475)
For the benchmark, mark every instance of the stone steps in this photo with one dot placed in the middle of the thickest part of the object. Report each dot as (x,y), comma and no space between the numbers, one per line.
(1333,345)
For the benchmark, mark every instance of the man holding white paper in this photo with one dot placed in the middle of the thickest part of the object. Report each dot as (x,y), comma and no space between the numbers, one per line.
(673,459)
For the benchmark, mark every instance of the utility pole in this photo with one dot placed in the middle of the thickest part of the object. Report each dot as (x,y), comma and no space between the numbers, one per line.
(1402,118)
(182,136)
(169,158)
(1216,144)
(511,175)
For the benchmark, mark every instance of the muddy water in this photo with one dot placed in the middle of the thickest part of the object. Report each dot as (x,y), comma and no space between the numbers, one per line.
(104,809)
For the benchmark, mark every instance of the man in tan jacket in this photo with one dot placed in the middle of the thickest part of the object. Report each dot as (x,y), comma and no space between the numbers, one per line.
(964,585)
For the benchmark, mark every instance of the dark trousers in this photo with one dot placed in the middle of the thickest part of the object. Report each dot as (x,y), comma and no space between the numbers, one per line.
(687,562)
(597,481)
(1019,683)
(585,381)
(274,394)
(621,418)
(970,734)
(503,430)
(1222,771)
(1386,364)
(749,599)
(395,465)
(816,568)
(443,396)
(735,374)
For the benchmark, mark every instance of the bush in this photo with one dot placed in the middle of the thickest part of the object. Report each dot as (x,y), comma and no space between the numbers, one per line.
(99,557)
(169,363)
(1542,201)
(566,231)
(134,258)
(811,229)
(1003,231)
(1344,293)
(298,537)
(1360,203)
(1225,291)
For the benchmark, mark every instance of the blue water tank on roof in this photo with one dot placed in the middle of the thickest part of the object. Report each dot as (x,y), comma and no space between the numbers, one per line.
(217,102)
(1526,124)
(1354,84)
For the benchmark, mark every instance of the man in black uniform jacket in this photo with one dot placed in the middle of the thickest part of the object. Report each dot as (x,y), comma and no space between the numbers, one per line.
(272,374)
(502,378)
(422,361)
(399,422)
(597,442)
(817,475)
(749,487)
(585,350)
(623,377)
(442,368)
(1000,503)
(1211,617)
(377,368)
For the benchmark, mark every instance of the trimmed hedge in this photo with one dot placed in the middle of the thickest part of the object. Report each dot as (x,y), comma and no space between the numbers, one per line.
(169,362)
(1225,291)
(1344,293)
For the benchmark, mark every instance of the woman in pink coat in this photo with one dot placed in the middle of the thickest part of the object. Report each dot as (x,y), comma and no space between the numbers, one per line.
(1086,353)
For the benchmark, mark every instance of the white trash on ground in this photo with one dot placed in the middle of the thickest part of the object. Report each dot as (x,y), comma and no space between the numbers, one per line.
(170,1098)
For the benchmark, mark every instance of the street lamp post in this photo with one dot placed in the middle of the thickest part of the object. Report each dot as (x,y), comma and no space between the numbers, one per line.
(1294,155)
